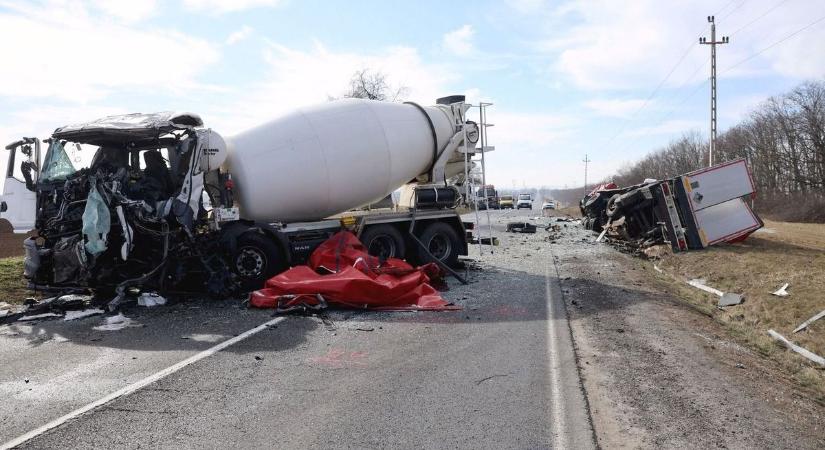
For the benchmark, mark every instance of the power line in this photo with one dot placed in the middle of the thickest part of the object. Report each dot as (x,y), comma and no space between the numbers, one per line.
(759,17)
(754,55)
(669,74)
(732,11)
(724,7)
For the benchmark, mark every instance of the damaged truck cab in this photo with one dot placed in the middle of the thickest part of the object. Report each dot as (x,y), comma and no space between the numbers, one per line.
(120,203)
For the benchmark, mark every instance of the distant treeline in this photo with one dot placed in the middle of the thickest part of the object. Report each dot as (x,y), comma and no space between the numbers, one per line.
(783,140)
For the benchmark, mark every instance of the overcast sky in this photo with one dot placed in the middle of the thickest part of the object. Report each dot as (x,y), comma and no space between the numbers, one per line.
(567,77)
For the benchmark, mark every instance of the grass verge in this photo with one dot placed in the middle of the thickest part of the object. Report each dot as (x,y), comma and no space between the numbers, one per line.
(12,284)
(786,253)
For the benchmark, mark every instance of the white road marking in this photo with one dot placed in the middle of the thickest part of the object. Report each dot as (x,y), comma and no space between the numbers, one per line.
(138,385)
(554,369)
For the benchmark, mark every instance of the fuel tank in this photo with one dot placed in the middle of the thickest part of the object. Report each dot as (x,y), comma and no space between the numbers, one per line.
(322,160)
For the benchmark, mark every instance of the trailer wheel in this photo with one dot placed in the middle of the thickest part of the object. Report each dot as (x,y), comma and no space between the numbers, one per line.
(443,243)
(256,259)
(384,241)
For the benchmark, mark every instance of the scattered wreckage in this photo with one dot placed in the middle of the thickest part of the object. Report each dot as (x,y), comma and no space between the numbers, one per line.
(688,212)
(159,203)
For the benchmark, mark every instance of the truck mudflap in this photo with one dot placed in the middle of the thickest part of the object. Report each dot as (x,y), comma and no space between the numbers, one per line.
(353,279)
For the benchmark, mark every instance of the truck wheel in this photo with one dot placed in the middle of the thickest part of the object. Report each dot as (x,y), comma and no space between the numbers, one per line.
(443,243)
(384,241)
(256,259)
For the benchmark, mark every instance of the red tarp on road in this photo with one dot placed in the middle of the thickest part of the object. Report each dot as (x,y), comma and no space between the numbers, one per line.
(354,279)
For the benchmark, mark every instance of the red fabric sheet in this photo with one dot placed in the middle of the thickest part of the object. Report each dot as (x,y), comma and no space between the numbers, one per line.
(352,279)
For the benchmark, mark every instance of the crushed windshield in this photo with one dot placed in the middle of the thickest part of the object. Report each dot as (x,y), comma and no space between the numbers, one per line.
(60,163)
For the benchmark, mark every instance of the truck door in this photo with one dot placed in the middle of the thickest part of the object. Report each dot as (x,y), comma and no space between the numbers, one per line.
(19,200)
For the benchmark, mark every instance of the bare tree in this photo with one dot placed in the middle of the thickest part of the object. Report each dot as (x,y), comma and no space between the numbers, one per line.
(373,85)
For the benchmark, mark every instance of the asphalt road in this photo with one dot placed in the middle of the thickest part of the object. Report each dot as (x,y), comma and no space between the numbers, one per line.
(499,374)
(562,343)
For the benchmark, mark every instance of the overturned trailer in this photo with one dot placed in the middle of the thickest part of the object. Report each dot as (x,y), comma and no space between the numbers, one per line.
(689,212)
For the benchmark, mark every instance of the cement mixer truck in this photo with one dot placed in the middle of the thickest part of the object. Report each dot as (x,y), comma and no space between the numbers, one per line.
(160,202)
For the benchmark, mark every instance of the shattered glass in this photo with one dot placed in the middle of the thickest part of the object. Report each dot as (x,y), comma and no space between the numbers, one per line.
(58,165)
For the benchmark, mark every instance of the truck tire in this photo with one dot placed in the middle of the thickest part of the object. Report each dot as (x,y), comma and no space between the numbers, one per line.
(384,241)
(256,259)
(443,243)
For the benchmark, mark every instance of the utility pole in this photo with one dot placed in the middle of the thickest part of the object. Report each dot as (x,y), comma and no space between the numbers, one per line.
(712,44)
(585,161)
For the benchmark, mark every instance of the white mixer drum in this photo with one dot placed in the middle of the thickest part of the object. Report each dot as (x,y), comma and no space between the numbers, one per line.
(326,159)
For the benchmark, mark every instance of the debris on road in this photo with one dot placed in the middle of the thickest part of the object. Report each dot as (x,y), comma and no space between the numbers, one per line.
(150,299)
(521,227)
(340,272)
(38,317)
(801,350)
(809,321)
(781,292)
(115,323)
(691,211)
(82,313)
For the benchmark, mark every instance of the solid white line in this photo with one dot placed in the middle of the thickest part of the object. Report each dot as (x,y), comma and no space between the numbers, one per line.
(554,369)
(138,385)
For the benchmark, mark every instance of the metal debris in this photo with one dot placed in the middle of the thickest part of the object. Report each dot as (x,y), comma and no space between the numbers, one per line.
(809,321)
(725,298)
(801,350)
(521,227)
(83,313)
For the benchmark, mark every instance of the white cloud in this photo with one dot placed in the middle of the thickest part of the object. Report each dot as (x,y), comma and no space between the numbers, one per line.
(295,78)
(615,107)
(226,6)
(675,126)
(528,6)
(460,42)
(238,36)
(69,53)
(127,10)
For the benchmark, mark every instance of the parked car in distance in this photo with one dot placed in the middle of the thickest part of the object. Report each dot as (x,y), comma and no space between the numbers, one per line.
(524,201)
(549,204)
(506,201)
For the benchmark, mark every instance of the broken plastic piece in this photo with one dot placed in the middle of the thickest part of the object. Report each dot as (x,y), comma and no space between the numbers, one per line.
(114,323)
(809,321)
(38,317)
(150,299)
(781,292)
(801,350)
(80,314)
(700,284)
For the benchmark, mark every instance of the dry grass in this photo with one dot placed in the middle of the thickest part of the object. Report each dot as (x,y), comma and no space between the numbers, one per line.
(572,211)
(792,253)
(12,284)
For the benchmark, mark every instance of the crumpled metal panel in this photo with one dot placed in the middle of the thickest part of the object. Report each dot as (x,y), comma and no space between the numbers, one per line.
(135,126)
